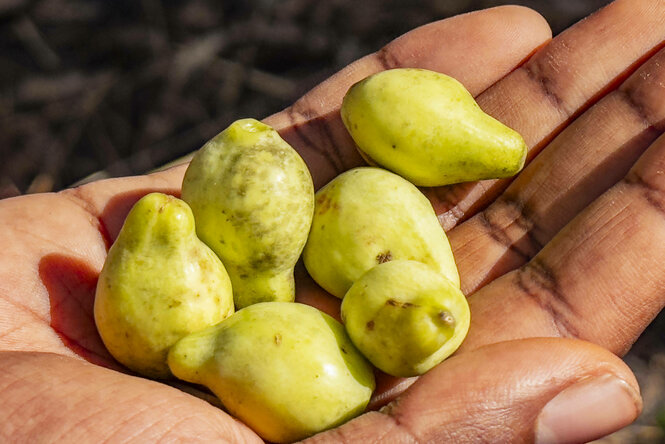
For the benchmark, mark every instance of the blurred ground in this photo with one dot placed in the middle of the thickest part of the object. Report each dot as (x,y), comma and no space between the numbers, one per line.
(120,87)
(125,86)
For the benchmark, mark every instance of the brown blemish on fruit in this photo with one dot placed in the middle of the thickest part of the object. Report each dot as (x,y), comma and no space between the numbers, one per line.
(394,303)
(384,257)
(322,203)
(370,325)
(278,339)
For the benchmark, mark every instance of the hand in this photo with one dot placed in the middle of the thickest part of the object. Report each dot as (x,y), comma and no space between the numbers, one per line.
(570,250)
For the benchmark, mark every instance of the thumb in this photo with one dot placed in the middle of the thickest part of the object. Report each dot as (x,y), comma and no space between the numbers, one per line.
(544,390)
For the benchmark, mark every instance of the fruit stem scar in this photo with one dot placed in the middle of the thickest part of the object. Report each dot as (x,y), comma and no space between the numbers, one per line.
(447,318)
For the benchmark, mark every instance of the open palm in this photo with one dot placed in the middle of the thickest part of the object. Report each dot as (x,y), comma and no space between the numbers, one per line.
(562,266)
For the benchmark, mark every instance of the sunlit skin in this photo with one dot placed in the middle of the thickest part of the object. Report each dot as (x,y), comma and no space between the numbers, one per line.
(571,249)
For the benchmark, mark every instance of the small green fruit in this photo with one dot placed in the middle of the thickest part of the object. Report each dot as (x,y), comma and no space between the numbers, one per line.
(158,284)
(404,317)
(253,198)
(426,127)
(285,369)
(367,216)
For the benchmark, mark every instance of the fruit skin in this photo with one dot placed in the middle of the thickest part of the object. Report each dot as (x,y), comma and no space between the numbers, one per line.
(367,216)
(404,317)
(285,369)
(158,284)
(253,197)
(426,127)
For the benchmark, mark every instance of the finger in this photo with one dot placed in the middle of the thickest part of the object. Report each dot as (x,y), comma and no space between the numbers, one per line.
(558,83)
(477,48)
(589,156)
(46,397)
(538,389)
(600,278)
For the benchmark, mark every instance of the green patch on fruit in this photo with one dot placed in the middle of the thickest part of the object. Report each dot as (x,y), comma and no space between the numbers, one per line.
(253,198)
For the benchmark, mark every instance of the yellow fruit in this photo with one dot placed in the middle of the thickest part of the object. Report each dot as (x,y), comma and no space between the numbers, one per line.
(158,284)
(253,198)
(367,216)
(404,317)
(426,127)
(285,369)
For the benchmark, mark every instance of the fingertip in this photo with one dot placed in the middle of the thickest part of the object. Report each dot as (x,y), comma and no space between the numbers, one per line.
(528,21)
(586,410)
(521,32)
(477,48)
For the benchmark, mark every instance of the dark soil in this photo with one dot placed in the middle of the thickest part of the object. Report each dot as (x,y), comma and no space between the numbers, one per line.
(125,86)
(112,88)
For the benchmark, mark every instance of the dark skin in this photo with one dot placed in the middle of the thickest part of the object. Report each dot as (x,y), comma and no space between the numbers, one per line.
(562,266)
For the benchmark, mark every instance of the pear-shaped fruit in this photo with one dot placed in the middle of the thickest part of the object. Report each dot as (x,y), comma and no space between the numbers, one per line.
(252,197)
(426,127)
(405,317)
(158,284)
(367,216)
(285,369)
